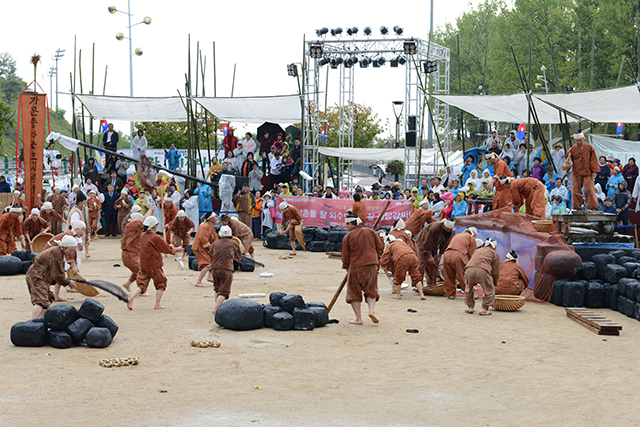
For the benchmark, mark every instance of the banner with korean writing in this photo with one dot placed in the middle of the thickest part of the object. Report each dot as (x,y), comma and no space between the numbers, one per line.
(320,212)
(33,116)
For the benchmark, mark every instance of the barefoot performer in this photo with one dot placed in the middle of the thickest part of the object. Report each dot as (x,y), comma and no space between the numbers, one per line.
(181,229)
(399,259)
(33,226)
(10,228)
(360,250)
(49,215)
(205,236)
(241,231)
(483,269)
(130,245)
(399,232)
(291,218)
(47,269)
(76,231)
(151,249)
(93,206)
(455,258)
(223,252)
(416,221)
(431,243)
(170,211)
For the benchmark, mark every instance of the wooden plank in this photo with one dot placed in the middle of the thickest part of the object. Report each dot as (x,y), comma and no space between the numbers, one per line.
(592,321)
(594,329)
(597,323)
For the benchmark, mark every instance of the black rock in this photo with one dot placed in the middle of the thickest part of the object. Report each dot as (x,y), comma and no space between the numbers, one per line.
(58,317)
(10,265)
(321,315)
(291,302)
(614,272)
(617,253)
(338,247)
(91,310)
(275,297)
(602,260)
(37,320)
(594,297)
(78,330)
(635,253)
(23,255)
(25,266)
(268,312)
(321,234)
(98,337)
(303,319)
(189,250)
(611,295)
(240,315)
(59,339)
(589,270)
(107,322)
(316,246)
(558,292)
(330,246)
(627,287)
(309,236)
(282,321)
(315,304)
(335,236)
(193,263)
(626,306)
(636,311)
(623,259)
(32,256)
(631,268)
(29,334)
(573,294)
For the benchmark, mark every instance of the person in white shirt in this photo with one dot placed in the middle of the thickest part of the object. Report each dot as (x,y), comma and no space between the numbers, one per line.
(88,186)
(232,163)
(494,137)
(438,187)
(240,154)
(139,145)
(249,144)
(560,190)
(180,181)
(190,205)
(558,155)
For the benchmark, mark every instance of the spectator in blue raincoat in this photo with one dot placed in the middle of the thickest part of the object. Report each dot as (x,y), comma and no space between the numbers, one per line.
(203,191)
(173,157)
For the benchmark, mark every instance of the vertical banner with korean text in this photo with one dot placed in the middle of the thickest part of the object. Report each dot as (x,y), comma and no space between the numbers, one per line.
(34,110)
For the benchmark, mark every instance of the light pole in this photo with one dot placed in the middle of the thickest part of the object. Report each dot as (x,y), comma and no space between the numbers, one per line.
(543,78)
(59,55)
(138,51)
(52,72)
(397,111)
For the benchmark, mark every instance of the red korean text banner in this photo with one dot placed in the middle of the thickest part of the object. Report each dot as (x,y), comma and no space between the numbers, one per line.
(320,212)
(33,116)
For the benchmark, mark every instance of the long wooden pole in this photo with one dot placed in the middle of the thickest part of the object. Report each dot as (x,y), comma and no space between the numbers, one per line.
(346,276)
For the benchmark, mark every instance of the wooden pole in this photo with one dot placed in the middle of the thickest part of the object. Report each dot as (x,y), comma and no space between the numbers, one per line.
(460,92)
(233,82)
(346,276)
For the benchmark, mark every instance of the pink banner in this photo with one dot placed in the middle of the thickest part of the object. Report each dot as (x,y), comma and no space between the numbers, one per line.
(320,212)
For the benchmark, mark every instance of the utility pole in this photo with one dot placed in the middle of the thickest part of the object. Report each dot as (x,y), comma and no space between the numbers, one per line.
(58,56)
(52,72)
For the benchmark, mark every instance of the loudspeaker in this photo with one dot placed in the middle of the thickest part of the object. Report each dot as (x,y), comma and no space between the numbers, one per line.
(411,124)
(240,181)
(410,139)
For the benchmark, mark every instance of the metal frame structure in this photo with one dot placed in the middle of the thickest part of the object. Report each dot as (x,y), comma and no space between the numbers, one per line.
(348,54)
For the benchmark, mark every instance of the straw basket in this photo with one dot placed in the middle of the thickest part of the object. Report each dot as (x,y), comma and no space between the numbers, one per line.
(543,226)
(436,290)
(83,288)
(38,242)
(239,244)
(508,302)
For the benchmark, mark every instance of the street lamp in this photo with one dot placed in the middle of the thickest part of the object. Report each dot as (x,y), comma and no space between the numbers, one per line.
(543,78)
(52,72)
(138,51)
(397,111)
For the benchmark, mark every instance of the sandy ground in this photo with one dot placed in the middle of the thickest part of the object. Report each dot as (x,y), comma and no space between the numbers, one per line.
(532,366)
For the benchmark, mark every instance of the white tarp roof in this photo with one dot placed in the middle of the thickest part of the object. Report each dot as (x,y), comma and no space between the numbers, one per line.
(167,109)
(617,148)
(502,108)
(274,109)
(384,155)
(619,105)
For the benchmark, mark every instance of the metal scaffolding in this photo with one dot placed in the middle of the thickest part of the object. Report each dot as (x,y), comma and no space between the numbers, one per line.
(349,53)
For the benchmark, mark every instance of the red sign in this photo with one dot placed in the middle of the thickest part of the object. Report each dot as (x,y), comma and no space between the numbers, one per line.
(320,212)
(33,107)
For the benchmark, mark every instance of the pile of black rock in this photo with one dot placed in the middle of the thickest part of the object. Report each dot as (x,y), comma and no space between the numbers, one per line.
(317,239)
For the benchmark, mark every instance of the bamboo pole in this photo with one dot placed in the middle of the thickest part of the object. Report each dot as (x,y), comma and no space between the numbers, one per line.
(233,82)
(104,87)
(460,92)
(215,95)
(203,66)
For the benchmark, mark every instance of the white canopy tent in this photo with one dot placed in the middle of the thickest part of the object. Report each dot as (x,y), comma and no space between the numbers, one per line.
(619,105)
(617,148)
(502,108)
(275,109)
(167,109)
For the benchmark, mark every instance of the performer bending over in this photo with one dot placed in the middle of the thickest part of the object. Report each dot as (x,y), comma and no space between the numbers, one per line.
(483,269)
(399,259)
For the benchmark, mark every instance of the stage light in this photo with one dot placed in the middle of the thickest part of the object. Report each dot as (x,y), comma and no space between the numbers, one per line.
(335,62)
(322,31)
(147,20)
(381,61)
(410,47)
(336,31)
(315,50)
(138,52)
(348,63)
(384,31)
(394,63)
(398,30)
(352,31)
(354,59)
(292,70)
(112,9)
(119,36)
(430,66)
(364,62)
(401,60)
(324,61)
(367,31)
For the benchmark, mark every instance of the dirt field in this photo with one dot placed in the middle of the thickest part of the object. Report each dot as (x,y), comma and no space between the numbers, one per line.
(530,367)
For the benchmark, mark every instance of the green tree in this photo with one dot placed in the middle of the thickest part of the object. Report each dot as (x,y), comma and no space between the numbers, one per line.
(7,65)
(366,125)
(162,134)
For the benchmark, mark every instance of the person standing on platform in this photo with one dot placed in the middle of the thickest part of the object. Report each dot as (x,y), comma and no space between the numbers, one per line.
(173,157)
(139,145)
(502,197)
(360,250)
(110,138)
(583,162)
(245,202)
(482,269)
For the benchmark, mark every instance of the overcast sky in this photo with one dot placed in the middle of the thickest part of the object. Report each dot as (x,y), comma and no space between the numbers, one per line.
(261,37)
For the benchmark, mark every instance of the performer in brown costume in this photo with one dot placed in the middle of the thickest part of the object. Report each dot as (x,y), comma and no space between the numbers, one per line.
(205,236)
(533,192)
(123,205)
(502,197)
(583,161)
(33,226)
(223,252)
(130,246)
(455,259)
(482,269)
(170,212)
(359,208)
(431,243)
(241,231)
(93,206)
(10,228)
(181,229)
(513,280)
(47,269)
(360,250)
(58,203)
(399,259)
(399,232)
(291,218)
(416,221)
(49,215)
